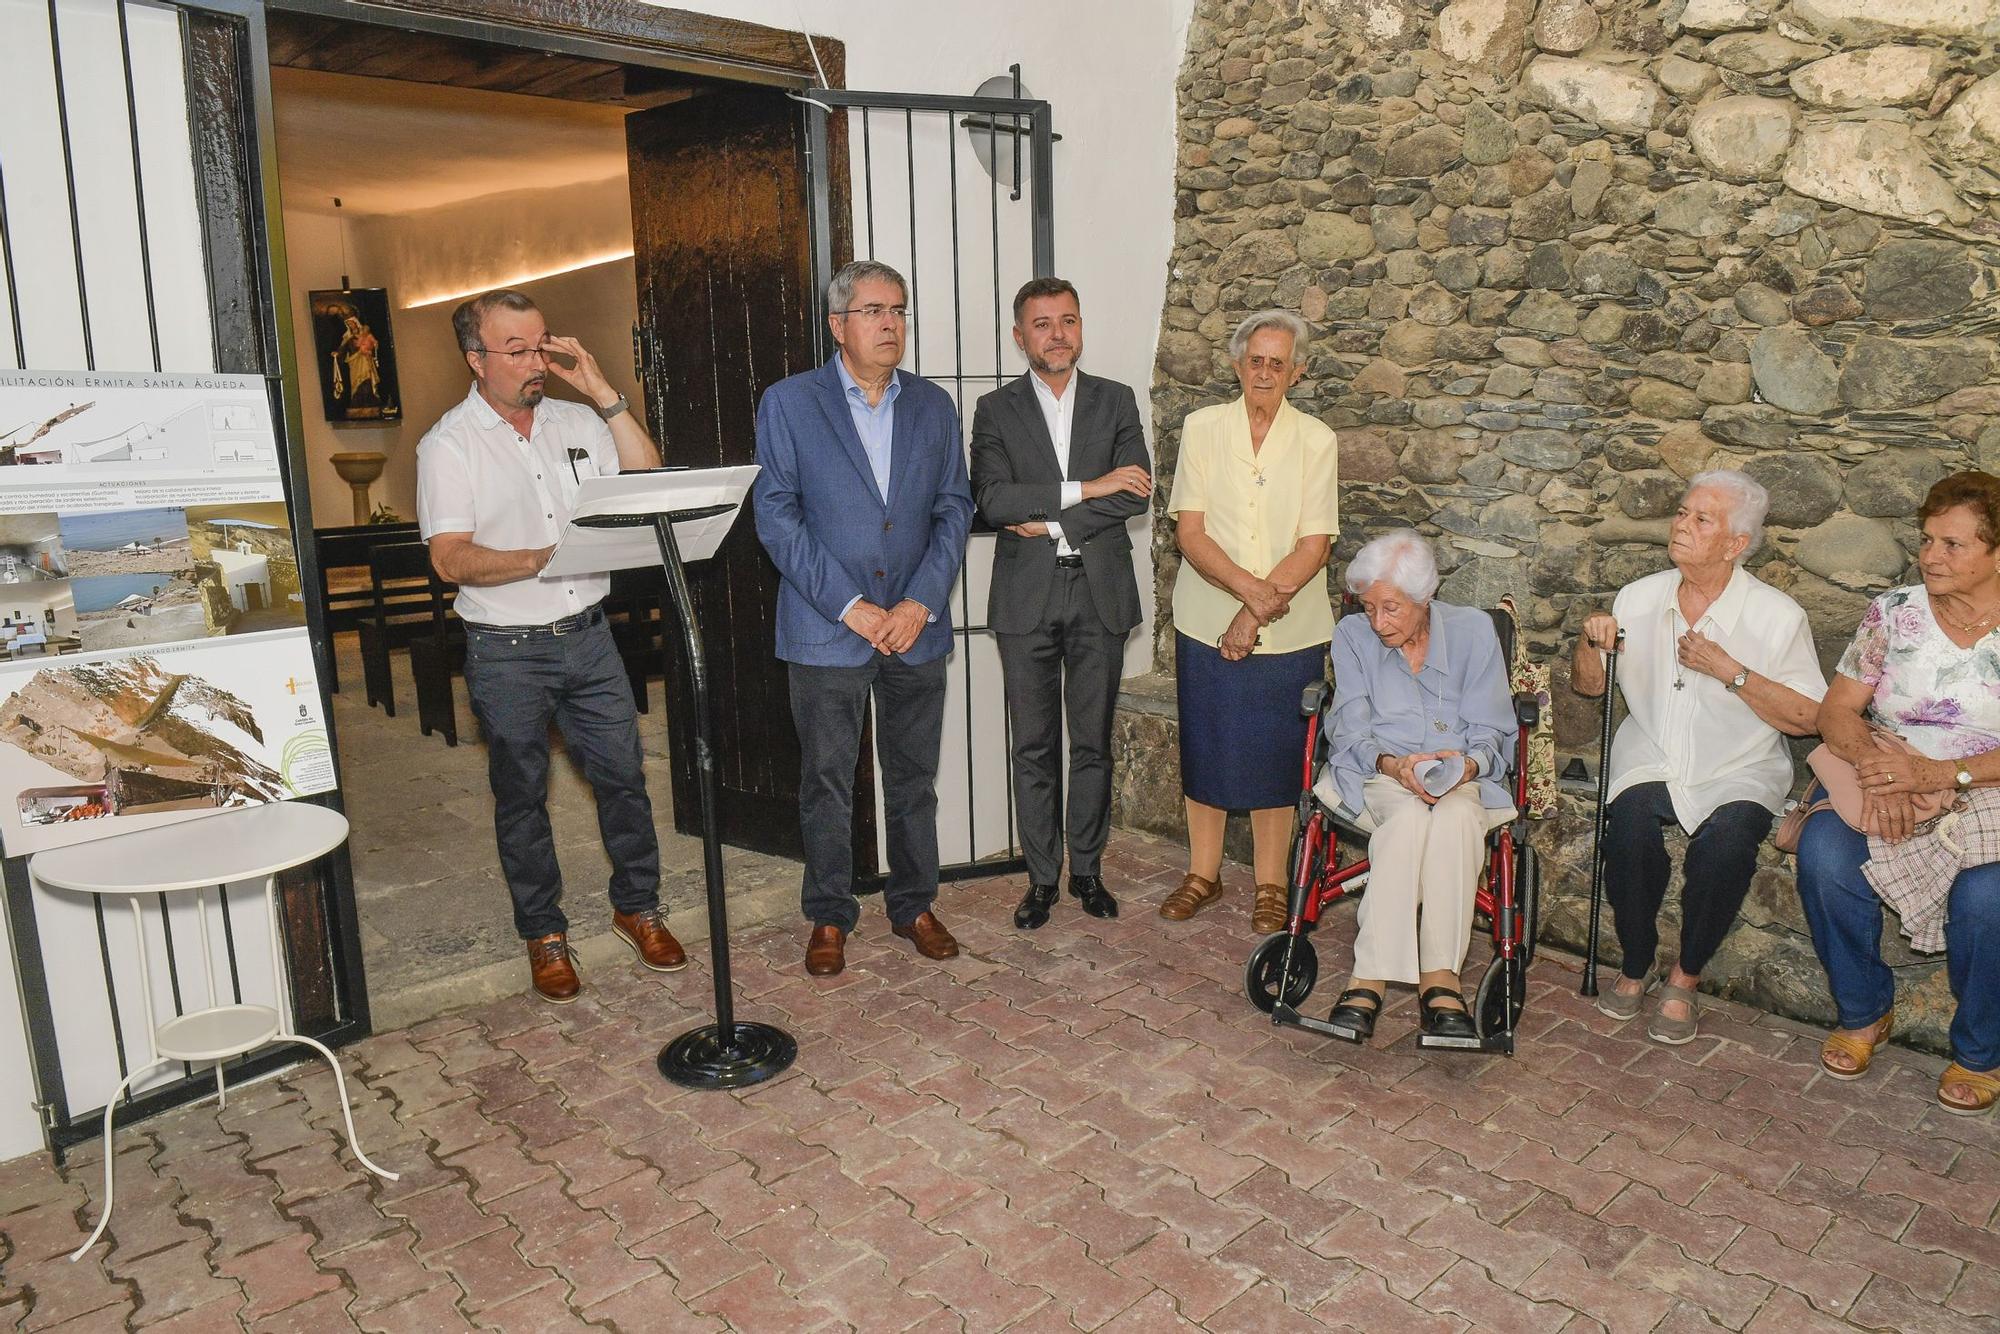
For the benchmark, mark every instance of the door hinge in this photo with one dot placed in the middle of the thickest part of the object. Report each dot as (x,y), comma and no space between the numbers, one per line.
(47,1111)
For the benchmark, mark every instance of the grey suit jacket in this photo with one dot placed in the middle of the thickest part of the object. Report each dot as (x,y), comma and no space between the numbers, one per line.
(1015,479)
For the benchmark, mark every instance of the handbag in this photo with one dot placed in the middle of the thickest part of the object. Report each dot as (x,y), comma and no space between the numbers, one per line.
(1839,789)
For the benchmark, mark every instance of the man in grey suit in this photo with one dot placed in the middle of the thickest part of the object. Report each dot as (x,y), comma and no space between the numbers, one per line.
(1063,596)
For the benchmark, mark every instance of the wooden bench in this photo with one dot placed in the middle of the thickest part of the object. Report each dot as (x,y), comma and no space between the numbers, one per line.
(345,593)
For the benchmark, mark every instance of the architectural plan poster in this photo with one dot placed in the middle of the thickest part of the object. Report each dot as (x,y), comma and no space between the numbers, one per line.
(154,659)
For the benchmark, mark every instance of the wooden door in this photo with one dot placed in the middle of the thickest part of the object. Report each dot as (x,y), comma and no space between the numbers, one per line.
(722,236)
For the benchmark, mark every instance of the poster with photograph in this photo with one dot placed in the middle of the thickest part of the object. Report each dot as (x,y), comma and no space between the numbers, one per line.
(356,354)
(154,659)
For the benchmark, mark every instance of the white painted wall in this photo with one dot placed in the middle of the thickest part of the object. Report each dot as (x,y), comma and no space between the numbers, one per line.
(52,300)
(1108,69)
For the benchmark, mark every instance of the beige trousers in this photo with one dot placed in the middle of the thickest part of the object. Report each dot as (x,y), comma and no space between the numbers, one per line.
(1423,869)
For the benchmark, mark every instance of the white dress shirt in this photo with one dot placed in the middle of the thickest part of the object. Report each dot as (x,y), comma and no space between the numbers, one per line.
(1702,740)
(1059,412)
(476,474)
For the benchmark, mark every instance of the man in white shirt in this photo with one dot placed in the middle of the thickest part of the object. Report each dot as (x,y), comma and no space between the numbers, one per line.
(1063,596)
(497,478)
(1718,668)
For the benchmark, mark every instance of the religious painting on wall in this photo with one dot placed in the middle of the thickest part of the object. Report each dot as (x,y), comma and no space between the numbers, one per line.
(356,355)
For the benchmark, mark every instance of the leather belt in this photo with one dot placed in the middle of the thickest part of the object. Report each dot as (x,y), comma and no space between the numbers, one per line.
(1069,562)
(568,625)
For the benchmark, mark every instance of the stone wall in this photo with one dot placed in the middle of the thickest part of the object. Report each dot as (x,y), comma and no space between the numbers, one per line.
(1563,255)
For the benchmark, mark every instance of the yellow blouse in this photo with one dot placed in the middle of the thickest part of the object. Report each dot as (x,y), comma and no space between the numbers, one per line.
(1257,505)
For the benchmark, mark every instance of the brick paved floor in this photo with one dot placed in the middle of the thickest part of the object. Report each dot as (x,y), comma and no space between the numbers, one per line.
(1083,1127)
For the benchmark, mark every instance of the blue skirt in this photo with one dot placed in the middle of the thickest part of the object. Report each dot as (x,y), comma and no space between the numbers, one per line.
(1242,739)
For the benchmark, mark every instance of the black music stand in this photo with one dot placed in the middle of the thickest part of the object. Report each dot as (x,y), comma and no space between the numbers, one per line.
(728,1053)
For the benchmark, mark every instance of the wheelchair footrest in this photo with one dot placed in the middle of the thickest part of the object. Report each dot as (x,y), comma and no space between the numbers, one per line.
(1431,1042)
(1285,1014)
(1500,1044)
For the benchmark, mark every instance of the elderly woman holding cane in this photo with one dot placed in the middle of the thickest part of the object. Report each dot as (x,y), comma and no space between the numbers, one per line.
(1254,497)
(1418,750)
(1718,669)
(1914,708)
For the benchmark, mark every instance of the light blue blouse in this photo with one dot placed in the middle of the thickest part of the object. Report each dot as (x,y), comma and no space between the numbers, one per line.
(1459,701)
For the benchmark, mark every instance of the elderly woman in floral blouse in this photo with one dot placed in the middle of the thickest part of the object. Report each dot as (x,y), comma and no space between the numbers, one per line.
(1925,668)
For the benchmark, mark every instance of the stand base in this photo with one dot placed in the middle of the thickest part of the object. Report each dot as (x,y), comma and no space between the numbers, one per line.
(697,1059)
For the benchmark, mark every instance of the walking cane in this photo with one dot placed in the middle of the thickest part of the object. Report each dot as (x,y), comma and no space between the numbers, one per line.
(1597,836)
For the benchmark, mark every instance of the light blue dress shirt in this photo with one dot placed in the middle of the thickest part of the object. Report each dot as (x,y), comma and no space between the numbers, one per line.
(875,425)
(1459,701)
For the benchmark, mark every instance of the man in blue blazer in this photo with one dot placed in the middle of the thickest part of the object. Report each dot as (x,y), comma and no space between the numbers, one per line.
(864,506)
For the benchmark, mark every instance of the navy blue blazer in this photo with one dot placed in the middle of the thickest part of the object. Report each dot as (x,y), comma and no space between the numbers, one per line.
(829,532)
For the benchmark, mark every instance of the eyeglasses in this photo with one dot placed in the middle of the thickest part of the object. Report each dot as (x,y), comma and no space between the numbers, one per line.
(875,314)
(518,358)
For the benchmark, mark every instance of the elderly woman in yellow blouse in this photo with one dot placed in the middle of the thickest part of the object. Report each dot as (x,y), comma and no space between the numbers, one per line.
(1254,498)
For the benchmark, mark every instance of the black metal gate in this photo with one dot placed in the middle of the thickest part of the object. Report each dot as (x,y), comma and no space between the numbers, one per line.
(966,237)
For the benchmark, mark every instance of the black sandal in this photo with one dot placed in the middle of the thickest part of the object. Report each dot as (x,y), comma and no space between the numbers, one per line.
(1443,1022)
(1350,1022)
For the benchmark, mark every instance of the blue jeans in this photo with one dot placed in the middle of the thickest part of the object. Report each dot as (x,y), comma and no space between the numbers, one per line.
(521,683)
(1846,919)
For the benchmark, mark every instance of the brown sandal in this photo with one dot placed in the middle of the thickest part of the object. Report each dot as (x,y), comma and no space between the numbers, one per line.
(1194,894)
(1861,1051)
(1985,1089)
(1268,914)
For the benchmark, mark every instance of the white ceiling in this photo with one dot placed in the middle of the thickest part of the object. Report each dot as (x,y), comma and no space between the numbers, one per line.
(390,146)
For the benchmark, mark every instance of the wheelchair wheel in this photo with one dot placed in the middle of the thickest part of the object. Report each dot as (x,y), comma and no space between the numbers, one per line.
(1260,975)
(1492,1008)
(1528,893)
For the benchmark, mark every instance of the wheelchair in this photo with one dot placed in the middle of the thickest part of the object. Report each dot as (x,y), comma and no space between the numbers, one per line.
(1284,967)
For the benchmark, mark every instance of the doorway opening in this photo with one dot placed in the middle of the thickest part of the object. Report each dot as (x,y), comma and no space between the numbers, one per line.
(418,168)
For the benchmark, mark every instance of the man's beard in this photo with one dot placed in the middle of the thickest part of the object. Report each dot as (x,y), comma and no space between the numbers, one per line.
(530,395)
(1043,366)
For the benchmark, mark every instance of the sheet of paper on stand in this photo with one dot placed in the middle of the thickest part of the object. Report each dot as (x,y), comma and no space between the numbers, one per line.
(660,490)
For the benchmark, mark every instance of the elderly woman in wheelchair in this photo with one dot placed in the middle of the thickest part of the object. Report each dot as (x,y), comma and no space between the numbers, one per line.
(1420,741)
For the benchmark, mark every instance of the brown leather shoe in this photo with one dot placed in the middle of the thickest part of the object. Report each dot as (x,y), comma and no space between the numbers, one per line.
(552,965)
(1269,913)
(647,934)
(826,952)
(927,933)
(1194,894)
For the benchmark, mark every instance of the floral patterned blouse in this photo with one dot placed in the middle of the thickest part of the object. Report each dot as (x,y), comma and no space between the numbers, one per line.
(1942,699)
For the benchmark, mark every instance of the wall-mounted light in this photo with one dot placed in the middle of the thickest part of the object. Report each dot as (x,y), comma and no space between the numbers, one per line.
(517,279)
(997,139)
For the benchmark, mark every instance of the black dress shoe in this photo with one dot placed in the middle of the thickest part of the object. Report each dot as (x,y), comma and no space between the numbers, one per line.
(1442,1021)
(1096,899)
(1355,1023)
(1035,905)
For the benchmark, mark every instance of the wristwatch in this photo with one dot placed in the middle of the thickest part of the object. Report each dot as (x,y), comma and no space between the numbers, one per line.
(618,405)
(1963,778)
(1736,682)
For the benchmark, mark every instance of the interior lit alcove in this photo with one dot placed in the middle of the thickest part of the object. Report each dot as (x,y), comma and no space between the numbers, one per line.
(445,192)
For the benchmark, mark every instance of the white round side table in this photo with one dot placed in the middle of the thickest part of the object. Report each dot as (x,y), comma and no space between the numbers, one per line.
(249,843)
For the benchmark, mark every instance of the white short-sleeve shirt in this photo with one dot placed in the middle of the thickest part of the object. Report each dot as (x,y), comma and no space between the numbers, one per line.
(1703,741)
(476,474)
